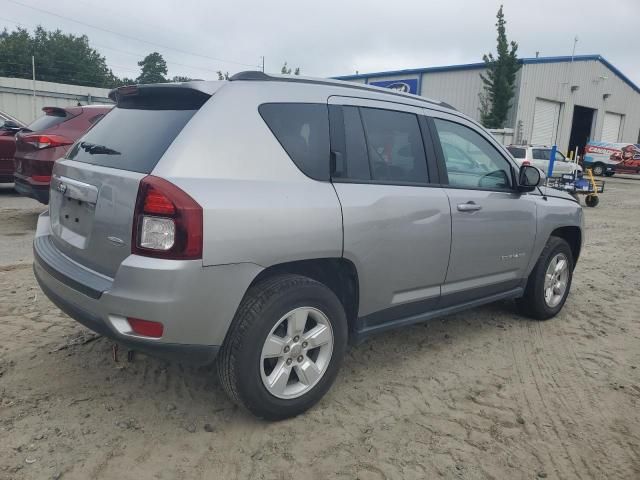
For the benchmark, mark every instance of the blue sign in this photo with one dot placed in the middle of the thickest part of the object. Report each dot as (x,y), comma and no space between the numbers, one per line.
(409,85)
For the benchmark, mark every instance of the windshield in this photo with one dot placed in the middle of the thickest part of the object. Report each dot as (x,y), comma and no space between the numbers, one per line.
(130,139)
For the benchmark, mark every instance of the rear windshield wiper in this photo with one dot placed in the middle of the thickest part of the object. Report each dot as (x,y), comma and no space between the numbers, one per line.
(92,149)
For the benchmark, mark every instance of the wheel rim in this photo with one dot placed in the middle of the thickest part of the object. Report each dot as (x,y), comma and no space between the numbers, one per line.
(597,170)
(556,280)
(296,353)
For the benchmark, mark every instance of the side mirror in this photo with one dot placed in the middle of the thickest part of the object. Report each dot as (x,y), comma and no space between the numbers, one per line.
(528,178)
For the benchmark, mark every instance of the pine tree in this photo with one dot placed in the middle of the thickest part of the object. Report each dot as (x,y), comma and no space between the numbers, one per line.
(286,70)
(499,80)
(154,69)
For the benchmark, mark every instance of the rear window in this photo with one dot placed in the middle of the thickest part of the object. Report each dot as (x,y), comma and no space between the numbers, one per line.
(130,139)
(49,120)
(303,131)
(517,152)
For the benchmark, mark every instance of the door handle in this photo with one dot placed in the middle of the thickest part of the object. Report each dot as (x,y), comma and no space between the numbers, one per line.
(470,206)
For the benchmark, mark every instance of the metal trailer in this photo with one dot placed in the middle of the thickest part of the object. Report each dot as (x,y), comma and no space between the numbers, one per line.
(579,185)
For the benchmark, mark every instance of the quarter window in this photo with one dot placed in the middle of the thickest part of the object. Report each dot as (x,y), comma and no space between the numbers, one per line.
(303,131)
(471,161)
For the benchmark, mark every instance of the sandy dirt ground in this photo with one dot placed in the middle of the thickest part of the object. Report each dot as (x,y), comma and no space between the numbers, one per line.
(483,394)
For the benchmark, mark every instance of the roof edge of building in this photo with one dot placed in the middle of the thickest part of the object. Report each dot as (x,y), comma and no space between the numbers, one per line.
(481,65)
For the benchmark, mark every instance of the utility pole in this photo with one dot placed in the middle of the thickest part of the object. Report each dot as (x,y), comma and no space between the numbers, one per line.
(263,64)
(573,53)
(33,84)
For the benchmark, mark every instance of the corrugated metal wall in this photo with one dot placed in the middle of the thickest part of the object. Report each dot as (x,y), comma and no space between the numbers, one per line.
(459,89)
(550,80)
(16,97)
(553,81)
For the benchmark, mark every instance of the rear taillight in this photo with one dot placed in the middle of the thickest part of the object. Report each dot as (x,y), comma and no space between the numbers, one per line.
(41,178)
(167,222)
(45,141)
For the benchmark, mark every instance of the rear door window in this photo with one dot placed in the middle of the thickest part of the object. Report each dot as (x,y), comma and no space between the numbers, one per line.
(303,131)
(394,144)
(541,154)
(130,139)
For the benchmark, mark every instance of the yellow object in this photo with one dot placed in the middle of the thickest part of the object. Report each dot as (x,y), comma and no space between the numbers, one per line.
(592,180)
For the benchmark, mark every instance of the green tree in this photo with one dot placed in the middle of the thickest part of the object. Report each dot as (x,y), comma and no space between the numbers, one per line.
(126,81)
(154,69)
(180,78)
(59,57)
(286,70)
(222,76)
(499,80)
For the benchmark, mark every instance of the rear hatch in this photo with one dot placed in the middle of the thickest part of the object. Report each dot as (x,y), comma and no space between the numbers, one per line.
(94,188)
(37,144)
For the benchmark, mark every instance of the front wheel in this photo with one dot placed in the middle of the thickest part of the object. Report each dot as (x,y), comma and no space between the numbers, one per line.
(284,348)
(549,282)
(598,169)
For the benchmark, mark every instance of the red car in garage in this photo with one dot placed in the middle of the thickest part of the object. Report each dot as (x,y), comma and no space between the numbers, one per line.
(45,140)
(9,126)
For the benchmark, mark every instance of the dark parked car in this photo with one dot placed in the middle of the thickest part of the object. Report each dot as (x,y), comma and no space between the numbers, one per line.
(9,126)
(47,139)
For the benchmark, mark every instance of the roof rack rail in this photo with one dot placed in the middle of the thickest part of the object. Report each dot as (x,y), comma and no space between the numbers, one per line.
(256,75)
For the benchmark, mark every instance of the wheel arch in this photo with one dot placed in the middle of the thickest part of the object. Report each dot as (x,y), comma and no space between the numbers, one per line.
(573,236)
(338,274)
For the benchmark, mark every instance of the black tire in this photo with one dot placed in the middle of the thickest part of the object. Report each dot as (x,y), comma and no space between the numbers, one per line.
(592,200)
(533,303)
(598,169)
(239,364)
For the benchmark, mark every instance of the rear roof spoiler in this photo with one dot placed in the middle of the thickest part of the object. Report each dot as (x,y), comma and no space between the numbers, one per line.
(164,96)
(55,111)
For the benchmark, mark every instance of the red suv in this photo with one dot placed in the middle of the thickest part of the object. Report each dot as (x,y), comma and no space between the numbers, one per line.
(9,126)
(47,139)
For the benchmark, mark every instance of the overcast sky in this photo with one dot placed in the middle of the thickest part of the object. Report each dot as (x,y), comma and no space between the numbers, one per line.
(334,37)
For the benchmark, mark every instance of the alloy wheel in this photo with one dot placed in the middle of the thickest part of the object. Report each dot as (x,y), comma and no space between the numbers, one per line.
(556,280)
(296,353)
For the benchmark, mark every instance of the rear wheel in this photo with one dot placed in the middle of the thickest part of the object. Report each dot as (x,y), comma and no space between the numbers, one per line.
(592,200)
(549,282)
(284,348)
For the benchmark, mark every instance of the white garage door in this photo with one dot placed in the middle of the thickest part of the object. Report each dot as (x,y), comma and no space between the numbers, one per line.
(545,122)
(611,127)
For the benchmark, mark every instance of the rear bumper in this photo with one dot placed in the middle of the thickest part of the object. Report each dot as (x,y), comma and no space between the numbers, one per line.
(36,190)
(195,304)
(194,354)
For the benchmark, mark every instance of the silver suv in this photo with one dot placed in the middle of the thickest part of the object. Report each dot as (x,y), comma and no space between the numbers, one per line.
(270,221)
